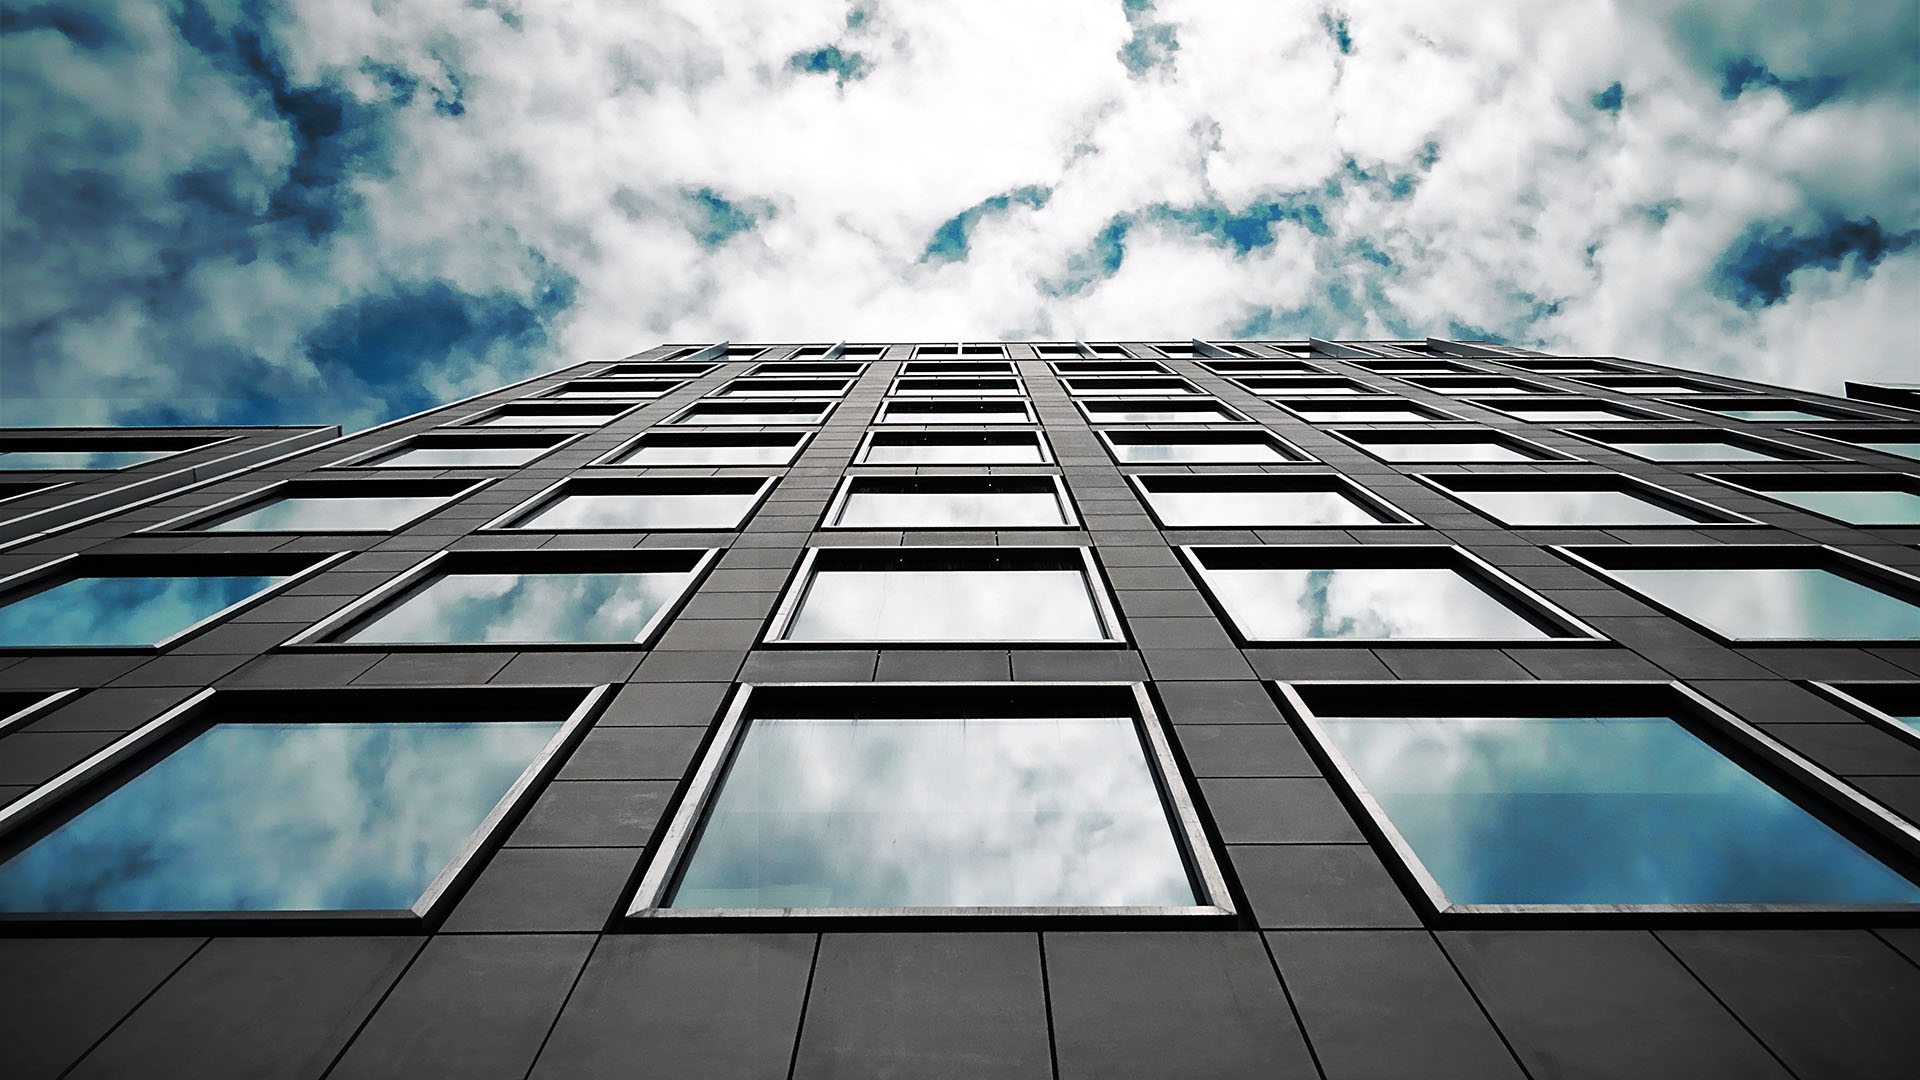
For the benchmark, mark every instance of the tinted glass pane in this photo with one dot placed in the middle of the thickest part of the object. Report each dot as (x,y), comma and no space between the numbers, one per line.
(1898,449)
(1885,507)
(1363,416)
(77,459)
(1911,723)
(544,419)
(1654,388)
(303,514)
(608,395)
(1446,451)
(953,509)
(1207,452)
(110,611)
(957,413)
(883,453)
(758,417)
(946,605)
(451,457)
(279,817)
(936,813)
(503,608)
(1598,810)
(1693,451)
(723,511)
(1339,390)
(1546,506)
(707,454)
(1146,414)
(1375,602)
(1565,416)
(1751,603)
(1769,414)
(1207,509)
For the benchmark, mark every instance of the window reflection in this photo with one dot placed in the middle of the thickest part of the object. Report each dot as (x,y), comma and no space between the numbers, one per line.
(756,415)
(954,450)
(1158,412)
(79,459)
(954,412)
(122,611)
(279,817)
(1693,450)
(936,813)
(301,513)
(1213,451)
(1598,810)
(506,608)
(1795,415)
(1858,506)
(947,605)
(545,418)
(1545,506)
(980,509)
(1759,603)
(1362,416)
(1444,451)
(1225,508)
(720,510)
(1896,447)
(1372,602)
(453,457)
(1546,415)
(695,450)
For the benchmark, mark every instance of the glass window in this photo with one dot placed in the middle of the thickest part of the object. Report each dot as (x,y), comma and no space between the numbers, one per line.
(645,504)
(656,369)
(1199,447)
(1110,367)
(784,388)
(52,459)
(1589,412)
(957,367)
(1122,411)
(1126,386)
(947,594)
(753,414)
(429,452)
(1774,410)
(122,611)
(1305,387)
(1565,367)
(1896,443)
(305,511)
(1423,447)
(1572,501)
(1262,367)
(1414,367)
(1363,412)
(831,368)
(1776,603)
(263,816)
(557,415)
(1638,384)
(1370,594)
(1205,502)
(1596,810)
(530,607)
(1874,499)
(625,389)
(954,448)
(947,411)
(698,448)
(1482,385)
(949,387)
(1703,449)
(951,502)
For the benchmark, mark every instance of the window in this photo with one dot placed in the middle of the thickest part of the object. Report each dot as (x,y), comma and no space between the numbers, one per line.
(18,708)
(763,387)
(1482,384)
(1568,411)
(951,502)
(1235,368)
(953,411)
(1301,386)
(1216,447)
(1653,384)
(656,370)
(1382,410)
(644,504)
(1128,385)
(1694,444)
(1373,593)
(549,413)
(1566,367)
(836,369)
(1593,797)
(1173,411)
(957,367)
(958,387)
(1259,500)
(1766,592)
(325,506)
(954,448)
(319,802)
(1895,706)
(12,490)
(1770,410)
(50,453)
(1422,447)
(670,448)
(1415,367)
(614,389)
(1583,500)
(456,450)
(734,351)
(1871,499)
(135,602)
(1110,367)
(946,594)
(519,598)
(1003,800)
(751,413)
(1058,350)
(1899,442)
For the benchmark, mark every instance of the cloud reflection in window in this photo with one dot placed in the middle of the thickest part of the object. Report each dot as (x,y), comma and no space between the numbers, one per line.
(947,605)
(1758,603)
(951,509)
(367,513)
(1371,602)
(525,608)
(1545,506)
(122,611)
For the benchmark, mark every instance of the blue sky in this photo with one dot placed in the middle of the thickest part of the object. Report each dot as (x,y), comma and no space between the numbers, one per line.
(265,211)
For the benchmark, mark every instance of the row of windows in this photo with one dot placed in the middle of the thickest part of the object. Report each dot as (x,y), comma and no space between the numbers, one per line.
(958,799)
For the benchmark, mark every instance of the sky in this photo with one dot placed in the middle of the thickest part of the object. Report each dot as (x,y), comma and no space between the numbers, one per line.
(343,211)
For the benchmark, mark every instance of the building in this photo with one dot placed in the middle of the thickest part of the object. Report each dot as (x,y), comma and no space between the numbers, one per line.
(1426,709)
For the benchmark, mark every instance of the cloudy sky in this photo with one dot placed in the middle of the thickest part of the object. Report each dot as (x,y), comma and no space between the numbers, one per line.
(343,210)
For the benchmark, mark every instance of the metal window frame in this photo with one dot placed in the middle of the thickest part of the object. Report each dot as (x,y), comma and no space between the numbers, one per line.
(1822,481)
(1289,454)
(1626,383)
(534,405)
(368,459)
(1625,412)
(1846,693)
(1453,485)
(1358,438)
(956,483)
(1225,413)
(709,436)
(1102,386)
(1306,386)
(1848,437)
(1709,405)
(198,442)
(1400,367)
(1782,452)
(889,408)
(1388,515)
(957,386)
(807,369)
(1362,403)
(46,702)
(684,418)
(783,388)
(656,369)
(1082,368)
(513,521)
(1036,436)
(194,522)
(644,390)
(959,366)
(1491,383)
(1234,367)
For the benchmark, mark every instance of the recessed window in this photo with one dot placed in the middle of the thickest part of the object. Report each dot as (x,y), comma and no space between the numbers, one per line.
(1136,447)
(1577,500)
(1899,442)
(1872,499)
(1482,384)
(317,802)
(551,414)
(1373,593)
(836,369)
(522,598)
(1771,410)
(1058,349)
(1110,367)
(1415,367)
(1652,384)
(946,594)
(457,450)
(951,502)
(614,389)
(1301,386)
(957,367)
(1568,411)
(1383,410)
(1567,367)
(954,448)
(671,448)
(751,413)
(1893,705)
(737,351)
(762,387)
(958,387)
(966,800)
(326,506)
(1172,411)
(132,603)
(1590,797)
(951,411)
(1235,368)
(1694,444)
(1127,385)
(657,370)
(1423,447)
(641,504)
(1758,593)
(55,454)
(1259,500)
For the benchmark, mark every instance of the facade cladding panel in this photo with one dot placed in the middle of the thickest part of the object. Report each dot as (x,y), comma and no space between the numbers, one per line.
(1264,709)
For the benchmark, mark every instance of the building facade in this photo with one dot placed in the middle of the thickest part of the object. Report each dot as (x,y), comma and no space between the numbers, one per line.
(1146,709)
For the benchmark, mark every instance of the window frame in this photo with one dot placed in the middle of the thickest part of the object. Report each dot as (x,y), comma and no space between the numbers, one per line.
(1400,368)
(1085,367)
(957,386)
(1365,403)
(1305,386)
(1490,383)
(1452,484)
(98,442)
(1629,383)
(1036,436)
(194,522)
(45,701)
(589,389)
(807,369)
(1628,412)
(546,441)
(656,369)
(1039,700)
(1846,437)
(1359,437)
(1566,367)
(781,388)
(1769,761)
(1102,386)
(890,408)
(683,417)
(1289,453)
(959,366)
(1704,405)
(740,436)
(534,405)
(958,483)
(606,484)
(1391,516)
(1823,481)
(1196,405)
(1783,453)
(1234,367)
(128,756)
(1848,694)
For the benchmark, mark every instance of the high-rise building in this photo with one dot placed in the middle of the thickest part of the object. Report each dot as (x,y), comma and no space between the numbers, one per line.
(1265,709)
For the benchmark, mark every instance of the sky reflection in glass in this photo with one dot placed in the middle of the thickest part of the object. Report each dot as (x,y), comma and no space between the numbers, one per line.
(1911,723)
(299,513)
(937,813)
(1598,810)
(947,605)
(1701,450)
(951,509)
(526,608)
(1236,507)
(1445,451)
(1795,415)
(1897,449)
(1361,416)
(122,611)
(1199,452)
(1882,506)
(955,412)
(1756,604)
(280,817)
(708,453)
(79,459)
(1025,452)
(1545,415)
(722,510)
(1145,412)
(545,419)
(1371,602)
(454,457)
(750,416)
(1549,506)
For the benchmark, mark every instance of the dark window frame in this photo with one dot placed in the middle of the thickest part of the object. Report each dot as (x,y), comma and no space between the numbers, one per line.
(1863,698)
(1305,386)
(656,369)
(1625,412)
(891,407)
(1490,383)
(1847,437)
(1822,481)
(760,487)
(957,386)
(682,418)
(810,369)
(1389,515)
(1225,413)
(44,702)
(1112,437)
(194,522)
(1783,453)
(97,442)
(958,483)
(782,388)
(1034,436)
(957,366)
(593,390)
(546,441)
(1366,403)
(1270,367)
(1360,437)
(1091,386)
(742,435)
(532,406)
(1097,367)
(1452,484)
